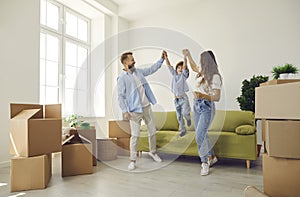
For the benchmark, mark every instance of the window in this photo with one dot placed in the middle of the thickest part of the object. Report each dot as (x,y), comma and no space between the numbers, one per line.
(64,58)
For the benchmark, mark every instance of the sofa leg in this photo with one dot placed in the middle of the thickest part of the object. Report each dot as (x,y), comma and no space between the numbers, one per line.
(248,164)
(139,154)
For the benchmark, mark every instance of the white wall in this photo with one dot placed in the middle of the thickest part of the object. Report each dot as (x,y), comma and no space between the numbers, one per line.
(19,61)
(113,25)
(248,37)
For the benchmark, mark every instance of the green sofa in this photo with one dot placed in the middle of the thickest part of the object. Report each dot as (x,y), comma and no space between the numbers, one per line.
(232,134)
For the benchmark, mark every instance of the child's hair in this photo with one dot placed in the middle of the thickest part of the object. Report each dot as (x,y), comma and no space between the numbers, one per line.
(179,64)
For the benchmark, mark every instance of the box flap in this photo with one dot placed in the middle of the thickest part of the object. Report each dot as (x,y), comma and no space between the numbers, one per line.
(26,114)
(72,137)
(53,111)
(279,81)
(17,108)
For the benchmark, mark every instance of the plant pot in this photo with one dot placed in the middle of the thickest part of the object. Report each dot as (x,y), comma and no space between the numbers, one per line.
(284,76)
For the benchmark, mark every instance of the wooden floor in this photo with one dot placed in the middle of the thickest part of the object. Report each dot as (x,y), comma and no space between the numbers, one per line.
(174,177)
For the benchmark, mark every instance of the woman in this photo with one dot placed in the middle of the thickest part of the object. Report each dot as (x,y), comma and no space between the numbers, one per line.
(206,91)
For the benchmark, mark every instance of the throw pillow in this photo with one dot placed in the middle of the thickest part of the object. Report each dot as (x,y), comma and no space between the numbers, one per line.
(245,130)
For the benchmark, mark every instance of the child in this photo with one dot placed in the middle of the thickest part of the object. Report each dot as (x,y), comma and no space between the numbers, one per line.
(179,89)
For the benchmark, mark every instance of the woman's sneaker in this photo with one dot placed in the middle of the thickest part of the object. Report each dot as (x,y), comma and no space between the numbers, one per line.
(211,162)
(204,169)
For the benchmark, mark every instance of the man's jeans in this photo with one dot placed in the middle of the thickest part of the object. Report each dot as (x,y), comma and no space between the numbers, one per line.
(135,124)
(204,112)
(183,109)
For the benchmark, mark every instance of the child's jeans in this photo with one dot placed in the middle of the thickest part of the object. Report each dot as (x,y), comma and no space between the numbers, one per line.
(183,109)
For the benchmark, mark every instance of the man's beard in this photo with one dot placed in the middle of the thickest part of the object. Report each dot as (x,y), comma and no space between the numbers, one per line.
(131,67)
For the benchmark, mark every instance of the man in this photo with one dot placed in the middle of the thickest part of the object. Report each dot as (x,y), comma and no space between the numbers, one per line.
(135,98)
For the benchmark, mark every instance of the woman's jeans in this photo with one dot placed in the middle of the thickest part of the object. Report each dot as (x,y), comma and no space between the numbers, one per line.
(183,109)
(204,112)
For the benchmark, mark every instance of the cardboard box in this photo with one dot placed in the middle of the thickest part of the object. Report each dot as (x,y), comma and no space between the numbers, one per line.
(35,131)
(279,81)
(77,157)
(278,101)
(30,173)
(281,177)
(119,129)
(107,149)
(123,146)
(282,138)
(90,134)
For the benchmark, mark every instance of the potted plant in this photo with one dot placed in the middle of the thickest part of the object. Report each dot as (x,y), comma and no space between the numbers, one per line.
(73,120)
(284,70)
(247,98)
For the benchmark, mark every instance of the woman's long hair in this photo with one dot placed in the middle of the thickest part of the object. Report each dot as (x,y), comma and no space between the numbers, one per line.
(209,66)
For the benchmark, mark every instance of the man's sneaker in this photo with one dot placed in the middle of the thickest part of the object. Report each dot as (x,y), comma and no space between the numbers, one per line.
(131,165)
(182,133)
(211,162)
(155,157)
(189,122)
(204,169)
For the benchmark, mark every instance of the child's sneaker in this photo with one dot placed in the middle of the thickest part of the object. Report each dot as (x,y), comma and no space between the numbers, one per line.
(189,122)
(211,162)
(204,169)
(182,133)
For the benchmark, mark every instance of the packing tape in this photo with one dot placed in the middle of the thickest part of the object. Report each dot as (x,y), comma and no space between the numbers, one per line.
(12,141)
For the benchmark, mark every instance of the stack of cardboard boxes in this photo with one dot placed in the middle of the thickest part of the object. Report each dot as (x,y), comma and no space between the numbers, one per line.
(35,133)
(277,104)
(120,130)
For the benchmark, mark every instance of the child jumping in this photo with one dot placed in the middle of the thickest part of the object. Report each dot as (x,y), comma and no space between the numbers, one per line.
(179,89)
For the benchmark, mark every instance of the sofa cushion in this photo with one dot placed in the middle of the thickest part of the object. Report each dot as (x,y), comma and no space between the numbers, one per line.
(166,120)
(245,130)
(229,120)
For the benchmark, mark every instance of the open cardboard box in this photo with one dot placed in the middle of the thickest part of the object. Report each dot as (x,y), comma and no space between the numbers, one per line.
(77,156)
(35,129)
(90,134)
(30,172)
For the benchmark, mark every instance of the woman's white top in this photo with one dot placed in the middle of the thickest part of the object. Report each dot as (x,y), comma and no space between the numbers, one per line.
(204,88)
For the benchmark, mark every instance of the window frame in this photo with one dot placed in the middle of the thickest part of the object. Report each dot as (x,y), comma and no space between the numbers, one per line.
(63,37)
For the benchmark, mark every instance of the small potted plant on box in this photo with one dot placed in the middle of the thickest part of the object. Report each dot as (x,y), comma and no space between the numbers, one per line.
(283,71)
(73,120)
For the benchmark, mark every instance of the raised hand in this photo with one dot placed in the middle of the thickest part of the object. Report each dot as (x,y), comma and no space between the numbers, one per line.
(185,52)
(164,54)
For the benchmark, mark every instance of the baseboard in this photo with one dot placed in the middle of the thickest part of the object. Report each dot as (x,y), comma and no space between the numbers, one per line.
(5,164)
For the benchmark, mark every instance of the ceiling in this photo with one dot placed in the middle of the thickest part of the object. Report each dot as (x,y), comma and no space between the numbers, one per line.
(133,9)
